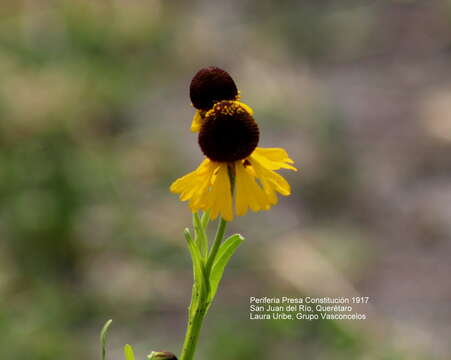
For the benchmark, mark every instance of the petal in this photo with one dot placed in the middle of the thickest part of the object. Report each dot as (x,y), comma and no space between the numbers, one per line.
(197,122)
(200,196)
(249,194)
(207,188)
(183,183)
(194,185)
(270,180)
(219,199)
(273,158)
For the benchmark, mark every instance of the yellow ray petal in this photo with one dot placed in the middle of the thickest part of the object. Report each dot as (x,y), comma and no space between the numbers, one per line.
(256,183)
(274,154)
(183,183)
(273,158)
(219,199)
(195,185)
(197,122)
(270,180)
(248,193)
(200,196)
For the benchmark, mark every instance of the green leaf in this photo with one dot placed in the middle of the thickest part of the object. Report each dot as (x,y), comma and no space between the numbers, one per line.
(128,352)
(201,235)
(103,337)
(205,219)
(200,283)
(223,257)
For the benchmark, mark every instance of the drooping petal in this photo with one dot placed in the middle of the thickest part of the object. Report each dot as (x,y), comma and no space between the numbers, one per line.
(249,194)
(194,185)
(219,199)
(260,178)
(200,196)
(197,122)
(184,184)
(273,158)
(270,180)
(207,188)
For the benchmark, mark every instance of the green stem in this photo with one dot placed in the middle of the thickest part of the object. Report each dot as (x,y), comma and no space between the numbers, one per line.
(195,323)
(193,331)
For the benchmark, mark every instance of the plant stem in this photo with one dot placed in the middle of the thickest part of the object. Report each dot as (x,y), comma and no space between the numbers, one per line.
(193,331)
(195,323)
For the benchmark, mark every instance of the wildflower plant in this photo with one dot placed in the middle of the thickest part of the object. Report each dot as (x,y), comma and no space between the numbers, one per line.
(235,176)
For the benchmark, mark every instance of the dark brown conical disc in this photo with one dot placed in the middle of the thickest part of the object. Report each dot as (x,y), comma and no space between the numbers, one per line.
(229,133)
(211,85)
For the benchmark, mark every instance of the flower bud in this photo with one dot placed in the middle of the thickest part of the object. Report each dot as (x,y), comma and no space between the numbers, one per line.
(161,355)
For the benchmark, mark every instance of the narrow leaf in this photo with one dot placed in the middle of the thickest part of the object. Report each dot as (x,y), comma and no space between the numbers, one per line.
(223,257)
(200,282)
(201,235)
(205,219)
(103,337)
(128,352)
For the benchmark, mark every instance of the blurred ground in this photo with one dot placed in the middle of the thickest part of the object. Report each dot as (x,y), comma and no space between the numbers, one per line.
(95,118)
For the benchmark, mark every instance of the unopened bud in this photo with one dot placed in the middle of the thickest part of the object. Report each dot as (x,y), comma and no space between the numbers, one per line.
(161,355)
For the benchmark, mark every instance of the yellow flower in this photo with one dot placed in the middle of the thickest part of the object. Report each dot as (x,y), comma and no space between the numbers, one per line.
(228,136)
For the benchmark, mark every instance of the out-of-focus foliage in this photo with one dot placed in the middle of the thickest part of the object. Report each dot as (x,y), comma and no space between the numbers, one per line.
(94,126)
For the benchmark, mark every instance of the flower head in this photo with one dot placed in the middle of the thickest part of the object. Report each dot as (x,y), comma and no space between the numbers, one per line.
(234,166)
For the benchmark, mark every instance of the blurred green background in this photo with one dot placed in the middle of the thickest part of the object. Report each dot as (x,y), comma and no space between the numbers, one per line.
(95,119)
